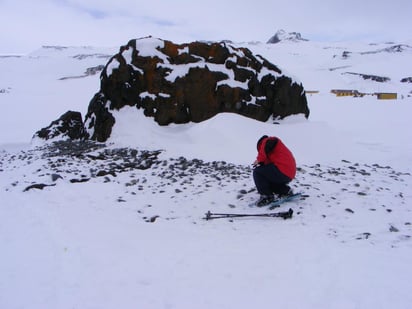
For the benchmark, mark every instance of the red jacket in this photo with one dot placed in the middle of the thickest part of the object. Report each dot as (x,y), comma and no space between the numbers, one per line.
(280,156)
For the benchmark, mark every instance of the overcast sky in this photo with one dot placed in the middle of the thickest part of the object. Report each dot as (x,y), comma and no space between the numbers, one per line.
(28,24)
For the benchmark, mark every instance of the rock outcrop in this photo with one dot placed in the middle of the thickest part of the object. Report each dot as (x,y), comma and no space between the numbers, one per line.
(375,78)
(191,83)
(68,126)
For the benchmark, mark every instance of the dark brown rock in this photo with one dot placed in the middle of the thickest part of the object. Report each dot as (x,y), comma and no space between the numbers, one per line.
(191,82)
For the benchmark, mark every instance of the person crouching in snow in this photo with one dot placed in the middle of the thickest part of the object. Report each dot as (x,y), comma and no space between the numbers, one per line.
(274,168)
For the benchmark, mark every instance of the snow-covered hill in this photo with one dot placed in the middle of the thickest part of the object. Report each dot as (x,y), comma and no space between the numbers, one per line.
(281,36)
(324,67)
(120,225)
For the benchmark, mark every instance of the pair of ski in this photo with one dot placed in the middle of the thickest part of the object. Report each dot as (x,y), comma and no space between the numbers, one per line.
(281,214)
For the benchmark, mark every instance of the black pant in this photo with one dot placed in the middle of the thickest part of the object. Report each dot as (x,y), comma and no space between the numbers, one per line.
(268,180)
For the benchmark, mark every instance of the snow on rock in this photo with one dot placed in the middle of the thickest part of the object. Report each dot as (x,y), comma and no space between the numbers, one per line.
(192,83)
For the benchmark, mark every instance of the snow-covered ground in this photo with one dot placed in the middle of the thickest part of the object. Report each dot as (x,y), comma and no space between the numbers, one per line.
(108,232)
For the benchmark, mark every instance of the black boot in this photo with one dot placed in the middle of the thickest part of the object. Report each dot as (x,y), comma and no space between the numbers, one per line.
(265,200)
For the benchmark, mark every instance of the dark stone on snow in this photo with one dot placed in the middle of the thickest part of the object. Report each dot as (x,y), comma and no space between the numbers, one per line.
(406,80)
(55,177)
(38,186)
(393,229)
(104,173)
(74,180)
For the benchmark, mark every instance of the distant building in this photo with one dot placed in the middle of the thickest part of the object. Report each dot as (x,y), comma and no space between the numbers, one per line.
(347,93)
(311,91)
(386,95)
